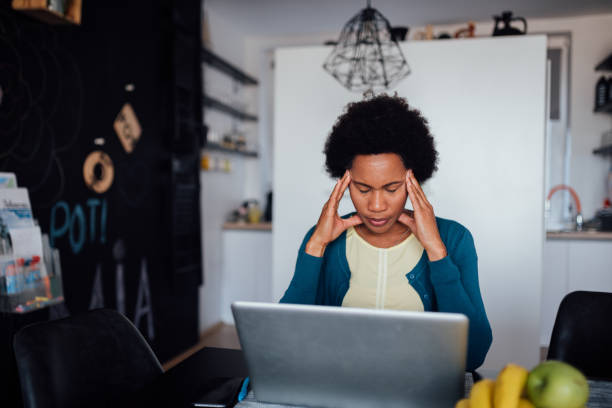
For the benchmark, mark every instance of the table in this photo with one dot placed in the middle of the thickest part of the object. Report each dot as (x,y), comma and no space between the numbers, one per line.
(184,383)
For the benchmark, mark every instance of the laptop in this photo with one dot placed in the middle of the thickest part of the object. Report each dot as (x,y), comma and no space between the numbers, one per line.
(327,356)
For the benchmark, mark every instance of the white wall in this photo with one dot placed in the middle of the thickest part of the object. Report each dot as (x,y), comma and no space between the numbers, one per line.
(485,102)
(220,192)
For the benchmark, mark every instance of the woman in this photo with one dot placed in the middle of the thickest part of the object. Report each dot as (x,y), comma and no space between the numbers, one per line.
(384,256)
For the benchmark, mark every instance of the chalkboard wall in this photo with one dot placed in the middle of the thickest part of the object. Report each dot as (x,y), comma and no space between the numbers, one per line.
(63,88)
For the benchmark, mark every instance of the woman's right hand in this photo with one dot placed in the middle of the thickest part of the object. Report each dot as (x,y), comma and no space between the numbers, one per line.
(330,224)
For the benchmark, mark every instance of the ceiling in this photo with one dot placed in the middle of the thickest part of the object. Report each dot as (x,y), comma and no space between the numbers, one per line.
(303,17)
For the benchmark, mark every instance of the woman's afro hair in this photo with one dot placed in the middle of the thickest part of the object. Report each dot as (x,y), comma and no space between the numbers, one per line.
(381,124)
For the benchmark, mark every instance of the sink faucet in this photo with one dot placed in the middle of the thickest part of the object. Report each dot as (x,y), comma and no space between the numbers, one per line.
(579,220)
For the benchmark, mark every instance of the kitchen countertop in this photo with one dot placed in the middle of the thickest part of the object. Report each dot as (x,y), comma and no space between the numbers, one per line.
(243,226)
(580,235)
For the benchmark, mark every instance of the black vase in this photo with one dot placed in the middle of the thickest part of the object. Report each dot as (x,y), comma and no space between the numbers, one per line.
(506,29)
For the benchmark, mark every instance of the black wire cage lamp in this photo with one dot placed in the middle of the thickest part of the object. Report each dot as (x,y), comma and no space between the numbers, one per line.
(367,56)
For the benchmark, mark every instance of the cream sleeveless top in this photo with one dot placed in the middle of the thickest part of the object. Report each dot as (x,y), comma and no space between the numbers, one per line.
(378,275)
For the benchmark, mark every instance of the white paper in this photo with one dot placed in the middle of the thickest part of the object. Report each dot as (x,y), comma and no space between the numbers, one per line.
(26,242)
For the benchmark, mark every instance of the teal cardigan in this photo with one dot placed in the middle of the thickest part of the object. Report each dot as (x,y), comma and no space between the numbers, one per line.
(447,285)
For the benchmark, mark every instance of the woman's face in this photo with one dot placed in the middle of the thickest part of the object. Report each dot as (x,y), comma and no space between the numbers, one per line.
(378,189)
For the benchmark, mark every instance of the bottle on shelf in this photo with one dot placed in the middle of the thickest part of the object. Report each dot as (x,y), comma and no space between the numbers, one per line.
(601,92)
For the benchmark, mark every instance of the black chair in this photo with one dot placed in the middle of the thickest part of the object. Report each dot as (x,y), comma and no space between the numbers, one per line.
(94,359)
(582,334)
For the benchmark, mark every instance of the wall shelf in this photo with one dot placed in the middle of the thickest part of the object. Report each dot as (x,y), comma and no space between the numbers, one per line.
(605,65)
(222,107)
(219,63)
(604,150)
(219,148)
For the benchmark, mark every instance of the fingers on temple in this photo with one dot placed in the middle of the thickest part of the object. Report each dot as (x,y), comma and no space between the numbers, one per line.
(344,182)
(414,197)
(418,188)
(336,189)
(418,192)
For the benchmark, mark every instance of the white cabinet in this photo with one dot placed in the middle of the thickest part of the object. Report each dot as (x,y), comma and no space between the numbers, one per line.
(247,266)
(571,265)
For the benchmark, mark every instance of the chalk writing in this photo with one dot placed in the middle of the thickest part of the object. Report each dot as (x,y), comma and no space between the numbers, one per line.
(97,295)
(143,302)
(118,254)
(58,311)
(144,305)
(73,223)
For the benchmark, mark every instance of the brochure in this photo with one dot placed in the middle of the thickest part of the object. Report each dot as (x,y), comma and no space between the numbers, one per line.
(15,209)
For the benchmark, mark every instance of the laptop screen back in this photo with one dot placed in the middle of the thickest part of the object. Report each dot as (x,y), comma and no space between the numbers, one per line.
(344,357)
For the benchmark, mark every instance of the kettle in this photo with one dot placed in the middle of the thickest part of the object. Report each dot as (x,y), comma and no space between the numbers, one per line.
(506,18)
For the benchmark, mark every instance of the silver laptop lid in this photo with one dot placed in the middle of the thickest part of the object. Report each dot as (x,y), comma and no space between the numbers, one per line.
(345,357)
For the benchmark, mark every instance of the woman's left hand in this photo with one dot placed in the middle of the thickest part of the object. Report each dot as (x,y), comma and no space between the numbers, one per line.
(422,221)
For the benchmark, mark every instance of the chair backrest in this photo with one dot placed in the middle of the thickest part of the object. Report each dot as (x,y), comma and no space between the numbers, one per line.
(91,359)
(582,334)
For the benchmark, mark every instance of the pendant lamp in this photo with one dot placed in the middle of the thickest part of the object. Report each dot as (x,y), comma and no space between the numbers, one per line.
(367,56)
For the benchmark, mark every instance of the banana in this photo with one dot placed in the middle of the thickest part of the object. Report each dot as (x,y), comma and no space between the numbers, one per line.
(525,403)
(463,403)
(481,395)
(509,386)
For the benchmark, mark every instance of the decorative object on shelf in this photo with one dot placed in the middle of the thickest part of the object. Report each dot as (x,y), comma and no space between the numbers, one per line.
(425,35)
(248,212)
(367,56)
(216,147)
(506,18)
(51,11)
(603,88)
(467,32)
(399,33)
(215,164)
(601,93)
(268,210)
(253,212)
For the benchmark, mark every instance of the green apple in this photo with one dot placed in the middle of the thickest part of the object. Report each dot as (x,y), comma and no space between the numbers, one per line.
(554,384)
